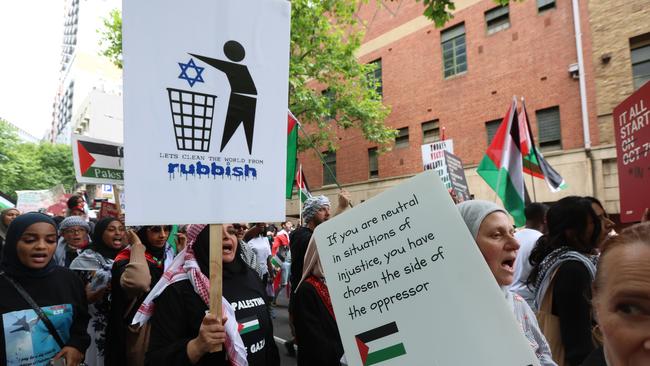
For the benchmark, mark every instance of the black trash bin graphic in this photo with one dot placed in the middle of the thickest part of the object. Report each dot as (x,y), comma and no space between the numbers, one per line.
(192,116)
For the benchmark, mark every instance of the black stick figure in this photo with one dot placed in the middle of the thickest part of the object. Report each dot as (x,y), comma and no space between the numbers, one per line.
(243,95)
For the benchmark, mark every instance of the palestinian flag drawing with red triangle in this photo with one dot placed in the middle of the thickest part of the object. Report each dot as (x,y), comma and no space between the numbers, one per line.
(97,161)
(380,344)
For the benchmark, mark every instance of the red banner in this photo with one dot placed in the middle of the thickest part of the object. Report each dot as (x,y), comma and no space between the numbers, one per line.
(632,130)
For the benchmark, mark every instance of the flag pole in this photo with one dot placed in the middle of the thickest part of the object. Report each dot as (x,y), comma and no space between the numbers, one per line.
(300,194)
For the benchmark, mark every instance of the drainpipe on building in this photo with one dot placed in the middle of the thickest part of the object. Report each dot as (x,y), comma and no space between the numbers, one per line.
(583,92)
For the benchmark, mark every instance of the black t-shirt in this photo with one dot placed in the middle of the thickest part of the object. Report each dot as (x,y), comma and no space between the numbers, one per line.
(62,297)
(299,241)
(179,311)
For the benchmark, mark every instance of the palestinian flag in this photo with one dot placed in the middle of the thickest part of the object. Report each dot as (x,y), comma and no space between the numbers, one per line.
(5,202)
(248,325)
(502,166)
(303,189)
(534,162)
(292,153)
(97,160)
(377,345)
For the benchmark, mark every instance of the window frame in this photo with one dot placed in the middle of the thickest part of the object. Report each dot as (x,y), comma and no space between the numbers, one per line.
(456,38)
(402,140)
(329,159)
(432,134)
(377,74)
(545,143)
(373,155)
(488,126)
(494,19)
(640,44)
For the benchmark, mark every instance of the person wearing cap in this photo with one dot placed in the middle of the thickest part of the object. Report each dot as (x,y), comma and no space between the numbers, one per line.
(315,211)
(74,238)
(493,232)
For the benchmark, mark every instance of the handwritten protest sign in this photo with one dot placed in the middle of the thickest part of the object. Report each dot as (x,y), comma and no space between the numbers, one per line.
(433,158)
(205,110)
(410,287)
(632,126)
(34,200)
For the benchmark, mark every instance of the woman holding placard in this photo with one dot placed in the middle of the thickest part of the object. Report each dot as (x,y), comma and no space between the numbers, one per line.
(622,300)
(490,226)
(564,266)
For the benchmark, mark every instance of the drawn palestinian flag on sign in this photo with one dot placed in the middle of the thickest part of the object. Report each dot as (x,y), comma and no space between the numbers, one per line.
(248,325)
(97,160)
(380,344)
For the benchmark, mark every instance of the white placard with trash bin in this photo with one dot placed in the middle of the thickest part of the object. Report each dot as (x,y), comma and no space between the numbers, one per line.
(205,106)
(410,287)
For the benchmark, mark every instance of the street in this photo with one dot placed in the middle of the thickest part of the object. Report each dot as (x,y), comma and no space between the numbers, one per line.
(281,329)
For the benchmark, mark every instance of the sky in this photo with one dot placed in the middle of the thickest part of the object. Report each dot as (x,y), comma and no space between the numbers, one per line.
(31,35)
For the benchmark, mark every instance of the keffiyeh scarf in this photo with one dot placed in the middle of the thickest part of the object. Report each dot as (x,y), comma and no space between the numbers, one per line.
(185,267)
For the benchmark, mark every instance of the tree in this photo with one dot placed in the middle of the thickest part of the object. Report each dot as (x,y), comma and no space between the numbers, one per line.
(324,37)
(440,11)
(27,166)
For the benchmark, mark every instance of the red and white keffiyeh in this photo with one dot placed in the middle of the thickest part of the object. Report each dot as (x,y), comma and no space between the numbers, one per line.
(185,267)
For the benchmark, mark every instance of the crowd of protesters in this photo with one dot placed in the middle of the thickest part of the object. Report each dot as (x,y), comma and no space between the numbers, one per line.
(76,291)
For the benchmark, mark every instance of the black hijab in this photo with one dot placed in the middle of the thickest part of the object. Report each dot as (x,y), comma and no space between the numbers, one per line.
(201,249)
(157,252)
(98,244)
(10,262)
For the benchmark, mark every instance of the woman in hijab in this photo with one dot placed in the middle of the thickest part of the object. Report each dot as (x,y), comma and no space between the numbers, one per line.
(564,267)
(490,227)
(94,265)
(136,270)
(182,333)
(317,336)
(57,291)
(6,217)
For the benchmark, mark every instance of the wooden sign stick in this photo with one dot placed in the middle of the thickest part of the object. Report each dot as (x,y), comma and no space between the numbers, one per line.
(116,197)
(216,260)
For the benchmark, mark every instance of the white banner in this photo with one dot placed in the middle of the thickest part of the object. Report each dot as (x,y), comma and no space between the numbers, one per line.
(409,285)
(205,110)
(97,161)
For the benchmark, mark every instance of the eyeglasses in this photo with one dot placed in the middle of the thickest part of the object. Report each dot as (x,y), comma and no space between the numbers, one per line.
(74,231)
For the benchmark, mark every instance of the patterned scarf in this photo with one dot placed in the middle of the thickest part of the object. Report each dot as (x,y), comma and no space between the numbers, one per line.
(552,262)
(186,267)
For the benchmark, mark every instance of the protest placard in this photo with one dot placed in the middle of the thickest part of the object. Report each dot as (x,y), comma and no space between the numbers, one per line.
(632,131)
(97,161)
(35,200)
(433,158)
(205,110)
(108,209)
(410,287)
(457,176)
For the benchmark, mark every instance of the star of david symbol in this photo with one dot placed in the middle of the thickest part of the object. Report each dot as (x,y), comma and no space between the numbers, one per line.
(190,65)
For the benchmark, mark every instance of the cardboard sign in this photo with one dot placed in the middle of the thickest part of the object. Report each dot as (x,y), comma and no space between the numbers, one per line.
(457,176)
(433,158)
(205,110)
(108,209)
(410,287)
(632,130)
(97,161)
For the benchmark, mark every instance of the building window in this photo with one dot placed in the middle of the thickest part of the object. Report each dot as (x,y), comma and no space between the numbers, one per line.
(497,19)
(402,139)
(640,50)
(548,125)
(430,132)
(454,55)
(330,97)
(376,76)
(329,175)
(373,163)
(543,5)
(491,127)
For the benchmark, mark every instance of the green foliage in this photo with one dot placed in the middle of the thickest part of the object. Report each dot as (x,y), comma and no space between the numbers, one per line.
(27,166)
(111,37)
(325,35)
(440,11)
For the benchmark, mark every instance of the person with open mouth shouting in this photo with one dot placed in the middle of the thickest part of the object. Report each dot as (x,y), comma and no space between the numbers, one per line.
(492,230)
(94,266)
(43,305)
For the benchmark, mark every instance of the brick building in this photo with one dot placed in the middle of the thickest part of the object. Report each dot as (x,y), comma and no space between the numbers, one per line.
(461,79)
